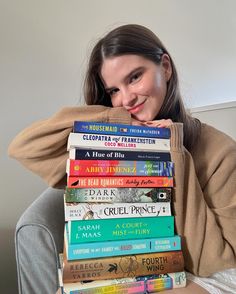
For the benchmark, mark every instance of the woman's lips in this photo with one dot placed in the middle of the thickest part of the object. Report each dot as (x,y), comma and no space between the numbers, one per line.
(137,108)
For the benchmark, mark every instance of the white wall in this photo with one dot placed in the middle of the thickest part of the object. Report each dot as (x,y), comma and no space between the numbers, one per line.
(43,50)
(222,116)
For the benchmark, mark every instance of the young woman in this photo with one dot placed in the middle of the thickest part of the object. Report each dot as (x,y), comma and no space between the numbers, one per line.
(131,79)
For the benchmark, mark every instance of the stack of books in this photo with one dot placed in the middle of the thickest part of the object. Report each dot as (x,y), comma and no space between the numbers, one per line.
(119,230)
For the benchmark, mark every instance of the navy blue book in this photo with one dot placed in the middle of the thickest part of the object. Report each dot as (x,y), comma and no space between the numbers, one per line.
(120,130)
(89,154)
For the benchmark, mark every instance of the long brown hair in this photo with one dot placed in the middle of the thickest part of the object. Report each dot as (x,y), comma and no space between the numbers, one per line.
(138,40)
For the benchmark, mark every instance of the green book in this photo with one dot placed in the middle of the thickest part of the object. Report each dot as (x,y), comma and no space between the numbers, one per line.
(84,231)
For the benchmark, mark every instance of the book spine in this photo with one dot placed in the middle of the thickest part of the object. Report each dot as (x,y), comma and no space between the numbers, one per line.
(119,168)
(121,247)
(85,211)
(123,266)
(60,279)
(151,284)
(83,140)
(84,231)
(120,130)
(124,286)
(96,154)
(117,195)
(167,281)
(122,182)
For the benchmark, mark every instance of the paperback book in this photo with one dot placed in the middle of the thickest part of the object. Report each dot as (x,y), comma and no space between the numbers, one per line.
(119,182)
(96,154)
(84,231)
(120,129)
(117,195)
(119,168)
(121,247)
(138,285)
(86,211)
(83,140)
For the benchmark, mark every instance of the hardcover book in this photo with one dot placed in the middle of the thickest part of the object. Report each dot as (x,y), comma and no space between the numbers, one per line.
(117,195)
(119,168)
(116,267)
(139,285)
(166,281)
(86,211)
(85,231)
(120,129)
(96,154)
(121,247)
(119,182)
(83,140)
(125,286)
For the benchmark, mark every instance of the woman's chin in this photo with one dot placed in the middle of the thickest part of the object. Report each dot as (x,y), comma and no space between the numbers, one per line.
(143,118)
(138,118)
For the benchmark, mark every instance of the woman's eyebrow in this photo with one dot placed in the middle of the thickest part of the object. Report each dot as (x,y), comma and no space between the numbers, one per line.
(127,77)
(133,72)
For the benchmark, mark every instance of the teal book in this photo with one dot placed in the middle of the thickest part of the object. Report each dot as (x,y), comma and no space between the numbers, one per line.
(84,231)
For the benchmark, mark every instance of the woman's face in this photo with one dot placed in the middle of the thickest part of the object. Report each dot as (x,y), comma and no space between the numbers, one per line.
(136,83)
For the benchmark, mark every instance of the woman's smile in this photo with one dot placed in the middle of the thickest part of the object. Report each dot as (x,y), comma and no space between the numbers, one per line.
(136,108)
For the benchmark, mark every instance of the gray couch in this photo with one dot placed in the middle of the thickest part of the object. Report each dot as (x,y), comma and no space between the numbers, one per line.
(38,240)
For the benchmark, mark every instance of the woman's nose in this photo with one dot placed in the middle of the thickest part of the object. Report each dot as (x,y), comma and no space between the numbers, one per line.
(128,98)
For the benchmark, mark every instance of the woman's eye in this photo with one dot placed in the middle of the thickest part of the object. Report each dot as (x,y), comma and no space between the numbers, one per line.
(135,77)
(113,92)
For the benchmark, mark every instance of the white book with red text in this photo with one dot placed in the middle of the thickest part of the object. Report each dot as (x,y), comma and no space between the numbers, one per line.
(98,141)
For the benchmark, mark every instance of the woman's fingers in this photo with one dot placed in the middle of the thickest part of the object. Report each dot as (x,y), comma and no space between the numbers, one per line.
(137,122)
(162,123)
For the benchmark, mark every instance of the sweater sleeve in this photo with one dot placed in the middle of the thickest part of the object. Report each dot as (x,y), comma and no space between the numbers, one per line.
(205,203)
(42,147)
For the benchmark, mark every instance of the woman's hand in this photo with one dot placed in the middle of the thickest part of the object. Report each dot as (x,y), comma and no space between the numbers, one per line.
(162,123)
(135,122)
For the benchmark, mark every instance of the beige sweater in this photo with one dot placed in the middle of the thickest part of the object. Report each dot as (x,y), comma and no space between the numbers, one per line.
(204,201)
